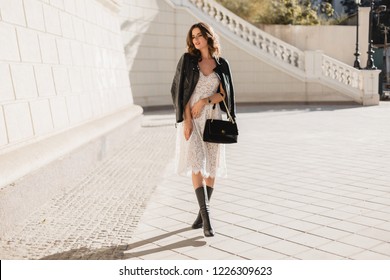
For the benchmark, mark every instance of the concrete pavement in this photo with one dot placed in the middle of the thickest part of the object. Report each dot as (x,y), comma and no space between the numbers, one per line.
(304,182)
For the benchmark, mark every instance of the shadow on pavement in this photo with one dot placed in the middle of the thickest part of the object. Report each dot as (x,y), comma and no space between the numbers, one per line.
(122,251)
(280,107)
(256,107)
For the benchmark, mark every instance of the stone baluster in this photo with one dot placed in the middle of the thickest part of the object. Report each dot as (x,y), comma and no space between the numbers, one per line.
(283,53)
(233,25)
(254,38)
(287,55)
(205,7)
(324,67)
(218,15)
(199,4)
(348,79)
(246,33)
(260,41)
(297,62)
(343,77)
(335,72)
(239,29)
(355,79)
(267,45)
(222,18)
(275,51)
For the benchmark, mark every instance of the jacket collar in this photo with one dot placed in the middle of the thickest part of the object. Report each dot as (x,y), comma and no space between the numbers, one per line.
(217,61)
(195,60)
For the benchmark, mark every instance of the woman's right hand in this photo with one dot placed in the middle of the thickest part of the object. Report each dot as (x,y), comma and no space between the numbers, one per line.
(187,129)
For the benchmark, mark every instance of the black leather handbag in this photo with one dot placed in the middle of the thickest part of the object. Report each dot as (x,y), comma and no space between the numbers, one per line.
(221,131)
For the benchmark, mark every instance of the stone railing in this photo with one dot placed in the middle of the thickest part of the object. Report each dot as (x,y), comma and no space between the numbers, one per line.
(361,85)
(264,42)
(340,72)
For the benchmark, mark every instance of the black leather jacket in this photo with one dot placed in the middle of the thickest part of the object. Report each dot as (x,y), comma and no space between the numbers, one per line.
(186,78)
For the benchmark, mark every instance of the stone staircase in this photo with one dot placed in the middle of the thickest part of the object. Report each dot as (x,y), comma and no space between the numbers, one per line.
(308,66)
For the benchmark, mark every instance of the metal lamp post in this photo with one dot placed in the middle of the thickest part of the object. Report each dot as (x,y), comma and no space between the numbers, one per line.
(356,64)
(386,62)
(370,60)
(370,52)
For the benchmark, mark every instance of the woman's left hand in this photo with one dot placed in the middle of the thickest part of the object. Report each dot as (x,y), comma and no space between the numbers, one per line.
(196,110)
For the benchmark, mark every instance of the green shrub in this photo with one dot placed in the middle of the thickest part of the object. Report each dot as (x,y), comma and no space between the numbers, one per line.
(295,12)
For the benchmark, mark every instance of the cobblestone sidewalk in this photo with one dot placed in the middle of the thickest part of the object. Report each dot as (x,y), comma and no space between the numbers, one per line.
(103,208)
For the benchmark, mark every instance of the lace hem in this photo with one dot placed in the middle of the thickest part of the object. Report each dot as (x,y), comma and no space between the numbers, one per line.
(185,165)
(221,173)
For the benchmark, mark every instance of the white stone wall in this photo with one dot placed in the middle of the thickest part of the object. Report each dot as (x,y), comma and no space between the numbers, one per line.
(337,41)
(61,64)
(149,35)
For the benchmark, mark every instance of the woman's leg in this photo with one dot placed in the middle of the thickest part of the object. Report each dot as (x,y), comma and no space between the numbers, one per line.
(197,180)
(198,223)
(210,182)
(203,201)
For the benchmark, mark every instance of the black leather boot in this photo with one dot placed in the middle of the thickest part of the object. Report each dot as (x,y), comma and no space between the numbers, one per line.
(201,195)
(198,223)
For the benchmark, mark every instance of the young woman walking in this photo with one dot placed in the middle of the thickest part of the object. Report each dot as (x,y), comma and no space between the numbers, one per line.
(202,80)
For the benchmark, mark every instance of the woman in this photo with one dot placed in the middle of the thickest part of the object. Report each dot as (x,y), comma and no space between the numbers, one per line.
(201,82)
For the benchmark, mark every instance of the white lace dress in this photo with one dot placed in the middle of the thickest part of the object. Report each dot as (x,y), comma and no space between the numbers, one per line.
(195,155)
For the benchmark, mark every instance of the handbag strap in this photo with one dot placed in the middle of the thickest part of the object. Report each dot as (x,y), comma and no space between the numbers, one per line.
(227,109)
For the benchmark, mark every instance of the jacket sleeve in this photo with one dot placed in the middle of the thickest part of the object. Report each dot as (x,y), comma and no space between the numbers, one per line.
(177,89)
(229,88)
(232,101)
(177,83)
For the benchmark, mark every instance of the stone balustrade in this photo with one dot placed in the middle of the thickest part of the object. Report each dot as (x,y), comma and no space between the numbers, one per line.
(340,72)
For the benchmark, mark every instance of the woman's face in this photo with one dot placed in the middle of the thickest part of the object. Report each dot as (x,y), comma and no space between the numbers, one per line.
(199,41)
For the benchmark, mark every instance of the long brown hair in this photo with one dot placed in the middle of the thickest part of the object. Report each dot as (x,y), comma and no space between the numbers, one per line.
(212,40)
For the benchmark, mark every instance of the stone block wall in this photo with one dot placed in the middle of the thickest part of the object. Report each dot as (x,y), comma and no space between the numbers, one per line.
(149,36)
(61,64)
